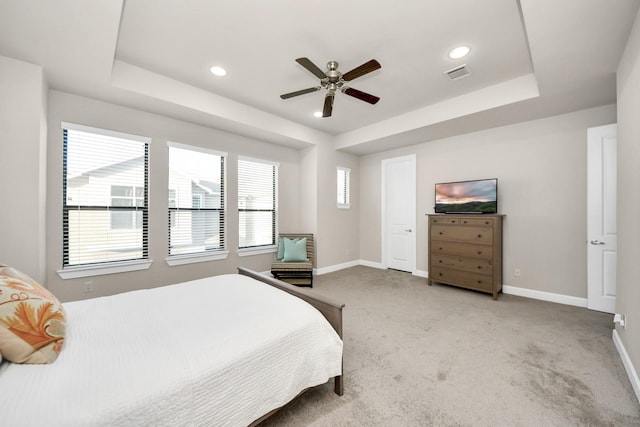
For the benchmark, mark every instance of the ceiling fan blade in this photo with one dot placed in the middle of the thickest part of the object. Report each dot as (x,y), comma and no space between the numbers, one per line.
(306,63)
(328,104)
(363,96)
(360,71)
(300,92)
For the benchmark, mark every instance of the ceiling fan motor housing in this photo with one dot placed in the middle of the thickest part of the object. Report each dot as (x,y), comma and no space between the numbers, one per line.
(332,80)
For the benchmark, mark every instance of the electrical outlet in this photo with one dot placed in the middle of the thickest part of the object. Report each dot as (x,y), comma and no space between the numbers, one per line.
(88,286)
(516,272)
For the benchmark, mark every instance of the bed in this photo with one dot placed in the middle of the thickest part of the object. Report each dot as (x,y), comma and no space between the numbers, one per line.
(223,350)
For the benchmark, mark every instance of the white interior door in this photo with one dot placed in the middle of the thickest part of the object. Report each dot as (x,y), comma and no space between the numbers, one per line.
(399,213)
(601,217)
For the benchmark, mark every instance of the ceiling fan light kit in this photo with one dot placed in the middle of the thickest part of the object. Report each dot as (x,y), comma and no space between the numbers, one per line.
(333,80)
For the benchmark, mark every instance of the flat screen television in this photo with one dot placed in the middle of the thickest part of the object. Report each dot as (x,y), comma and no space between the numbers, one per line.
(477,196)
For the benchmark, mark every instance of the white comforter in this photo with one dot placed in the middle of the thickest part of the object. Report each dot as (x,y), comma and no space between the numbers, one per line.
(217,351)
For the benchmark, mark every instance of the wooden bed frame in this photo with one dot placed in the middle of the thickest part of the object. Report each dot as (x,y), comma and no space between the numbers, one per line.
(329,308)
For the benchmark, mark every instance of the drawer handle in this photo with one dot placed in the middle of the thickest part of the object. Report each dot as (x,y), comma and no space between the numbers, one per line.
(479,252)
(464,222)
(479,282)
(453,221)
(440,248)
(479,267)
(440,261)
(487,222)
(479,236)
(440,274)
(440,233)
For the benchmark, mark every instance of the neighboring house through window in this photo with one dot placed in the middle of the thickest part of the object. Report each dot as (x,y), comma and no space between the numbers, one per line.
(196,200)
(126,195)
(257,202)
(105,196)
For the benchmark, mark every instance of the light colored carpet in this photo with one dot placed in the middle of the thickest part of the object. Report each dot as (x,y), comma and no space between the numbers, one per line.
(418,355)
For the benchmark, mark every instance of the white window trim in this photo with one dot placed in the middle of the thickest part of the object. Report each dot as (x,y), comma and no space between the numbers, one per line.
(182,259)
(263,161)
(108,267)
(258,250)
(197,148)
(345,205)
(101,269)
(270,248)
(105,132)
(192,258)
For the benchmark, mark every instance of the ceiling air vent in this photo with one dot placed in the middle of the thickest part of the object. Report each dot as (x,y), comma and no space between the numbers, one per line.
(458,72)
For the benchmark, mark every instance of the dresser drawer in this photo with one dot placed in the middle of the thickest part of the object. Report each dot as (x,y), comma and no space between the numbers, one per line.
(445,220)
(479,235)
(472,265)
(477,222)
(462,249)
(470,280)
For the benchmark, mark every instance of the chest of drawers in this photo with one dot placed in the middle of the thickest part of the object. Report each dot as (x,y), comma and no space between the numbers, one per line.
(466,251)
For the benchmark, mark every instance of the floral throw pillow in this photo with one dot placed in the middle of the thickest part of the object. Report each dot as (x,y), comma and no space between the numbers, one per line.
(32,320)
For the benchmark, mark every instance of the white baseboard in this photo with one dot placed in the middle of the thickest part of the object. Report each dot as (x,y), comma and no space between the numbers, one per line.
(511,290)
(545,296)
(336,267)
(628,365)
(371,264)
(421,273)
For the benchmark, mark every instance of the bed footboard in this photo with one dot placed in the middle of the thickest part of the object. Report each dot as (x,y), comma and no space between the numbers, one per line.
(329,308)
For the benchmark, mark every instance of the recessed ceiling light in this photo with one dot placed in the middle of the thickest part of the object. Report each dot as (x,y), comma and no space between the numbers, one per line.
(317,114)
(459,52)
(218,71)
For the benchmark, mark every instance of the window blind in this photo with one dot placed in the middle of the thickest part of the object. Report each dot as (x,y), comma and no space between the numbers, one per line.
(105,196)
(343,185)
(196,200)
(257,202)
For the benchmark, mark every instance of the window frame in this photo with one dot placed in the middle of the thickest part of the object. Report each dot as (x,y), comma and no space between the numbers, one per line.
(207,254)
(135,224)
(270,247)
(345,202)
(70,271)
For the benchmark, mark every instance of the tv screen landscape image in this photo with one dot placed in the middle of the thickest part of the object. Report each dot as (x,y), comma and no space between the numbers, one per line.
(478,196)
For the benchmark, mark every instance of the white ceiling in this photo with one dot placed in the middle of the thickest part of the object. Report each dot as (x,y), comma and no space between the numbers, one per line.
(529,59)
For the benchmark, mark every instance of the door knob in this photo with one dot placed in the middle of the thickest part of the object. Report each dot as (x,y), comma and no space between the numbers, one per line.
(597,242)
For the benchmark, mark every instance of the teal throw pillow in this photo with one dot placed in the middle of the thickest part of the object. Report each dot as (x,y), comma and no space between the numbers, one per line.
(295,250)
(280,249)
(280,254)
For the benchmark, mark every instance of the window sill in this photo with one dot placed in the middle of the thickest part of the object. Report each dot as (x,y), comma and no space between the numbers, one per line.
(258,251)
(193,258)
(343,206)
(101,269)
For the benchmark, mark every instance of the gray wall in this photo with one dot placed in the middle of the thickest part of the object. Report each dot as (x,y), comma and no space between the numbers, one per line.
(628,280)
(338,233)
(23,100)
(76,109)
(541,171)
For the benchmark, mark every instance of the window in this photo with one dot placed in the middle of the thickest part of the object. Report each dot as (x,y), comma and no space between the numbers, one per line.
(105,196)
(124,195)
(343,187)
(196,200)
(257,202)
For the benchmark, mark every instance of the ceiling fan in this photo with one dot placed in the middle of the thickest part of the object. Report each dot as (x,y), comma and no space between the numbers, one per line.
(332,80)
